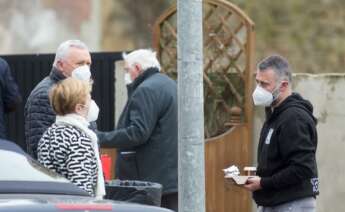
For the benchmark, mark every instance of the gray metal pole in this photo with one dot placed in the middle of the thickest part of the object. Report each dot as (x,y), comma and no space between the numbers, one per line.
(190,106)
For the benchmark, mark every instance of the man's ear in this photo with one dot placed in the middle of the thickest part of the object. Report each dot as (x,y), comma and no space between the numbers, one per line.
(59,65)
(284,84)
(78,108)
(137,67)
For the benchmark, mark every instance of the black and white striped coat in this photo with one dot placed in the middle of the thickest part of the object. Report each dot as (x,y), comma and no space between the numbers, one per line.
(68,151)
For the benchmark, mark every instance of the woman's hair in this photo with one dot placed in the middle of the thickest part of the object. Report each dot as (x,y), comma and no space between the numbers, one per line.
(66,94)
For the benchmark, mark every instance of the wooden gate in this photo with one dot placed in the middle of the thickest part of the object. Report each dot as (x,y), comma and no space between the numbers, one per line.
(228,64)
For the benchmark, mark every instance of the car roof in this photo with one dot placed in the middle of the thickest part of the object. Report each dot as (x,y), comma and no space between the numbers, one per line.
(13,154)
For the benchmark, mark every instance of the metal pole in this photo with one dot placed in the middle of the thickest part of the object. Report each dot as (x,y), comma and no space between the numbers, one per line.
(190,106)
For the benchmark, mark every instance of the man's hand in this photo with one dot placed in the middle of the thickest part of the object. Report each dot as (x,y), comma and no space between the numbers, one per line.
(253,183)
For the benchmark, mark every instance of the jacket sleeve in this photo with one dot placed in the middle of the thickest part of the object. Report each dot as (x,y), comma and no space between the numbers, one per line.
(10,91)
(142,120)
(298,148)
(39,116)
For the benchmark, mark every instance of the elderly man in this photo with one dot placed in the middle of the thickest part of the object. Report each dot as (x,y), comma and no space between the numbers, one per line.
(72,59)
(146,133)
(287,172)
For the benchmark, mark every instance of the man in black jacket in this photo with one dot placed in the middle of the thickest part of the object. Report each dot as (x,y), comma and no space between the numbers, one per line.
(146,133)
(287,172)
(9,95)
(72,58)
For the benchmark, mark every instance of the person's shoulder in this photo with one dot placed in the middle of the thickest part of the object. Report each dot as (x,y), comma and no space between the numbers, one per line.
(66,128)
(161,80)
(57,134)
(66,131)
(163,76)
(3,65)
(73,130)
(79,137)
(295,110)
(3,62)
(297,115)
(42,88)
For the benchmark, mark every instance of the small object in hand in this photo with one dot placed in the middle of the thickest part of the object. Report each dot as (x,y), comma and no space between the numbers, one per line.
(250,170)
(231,171)
(240,180)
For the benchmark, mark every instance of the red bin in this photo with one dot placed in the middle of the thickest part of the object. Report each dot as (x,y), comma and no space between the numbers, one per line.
(106,165)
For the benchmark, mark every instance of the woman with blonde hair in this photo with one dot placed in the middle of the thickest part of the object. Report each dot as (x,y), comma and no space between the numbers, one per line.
(69,147)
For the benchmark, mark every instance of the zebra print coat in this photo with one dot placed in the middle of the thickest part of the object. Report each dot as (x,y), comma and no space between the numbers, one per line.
(68,150)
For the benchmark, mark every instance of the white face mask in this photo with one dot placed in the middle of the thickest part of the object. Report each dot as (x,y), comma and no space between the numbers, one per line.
(93,112)
(128,79)
(262,97)
(82,73)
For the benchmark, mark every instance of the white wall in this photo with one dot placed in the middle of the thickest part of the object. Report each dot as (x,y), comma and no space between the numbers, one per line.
(327,93)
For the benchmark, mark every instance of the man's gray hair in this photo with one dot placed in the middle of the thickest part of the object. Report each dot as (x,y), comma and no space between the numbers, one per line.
(146,58)
(279,65)
(64,47)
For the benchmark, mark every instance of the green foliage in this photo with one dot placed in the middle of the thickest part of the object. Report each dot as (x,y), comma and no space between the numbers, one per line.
(218,118)
(141,15)
(311,34)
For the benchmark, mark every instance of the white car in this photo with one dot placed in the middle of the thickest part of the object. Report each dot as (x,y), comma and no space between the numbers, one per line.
(25,185)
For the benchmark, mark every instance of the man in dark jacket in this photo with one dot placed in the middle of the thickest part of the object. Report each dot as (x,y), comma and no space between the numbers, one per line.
(146,133)
(287,171)
(72,59)
(9,95)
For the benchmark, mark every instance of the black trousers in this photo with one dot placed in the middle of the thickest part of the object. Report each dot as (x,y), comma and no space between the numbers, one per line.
(170,201)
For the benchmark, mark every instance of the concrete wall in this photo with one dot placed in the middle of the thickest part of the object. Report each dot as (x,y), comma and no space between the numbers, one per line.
(120,89)
(327,94)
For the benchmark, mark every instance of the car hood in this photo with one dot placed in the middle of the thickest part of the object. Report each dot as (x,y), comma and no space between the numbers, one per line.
(26,202)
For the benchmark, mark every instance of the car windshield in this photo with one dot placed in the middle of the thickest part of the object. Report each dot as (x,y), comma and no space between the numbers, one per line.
(18,167)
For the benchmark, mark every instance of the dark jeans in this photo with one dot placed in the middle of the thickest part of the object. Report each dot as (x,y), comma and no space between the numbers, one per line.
(170,201)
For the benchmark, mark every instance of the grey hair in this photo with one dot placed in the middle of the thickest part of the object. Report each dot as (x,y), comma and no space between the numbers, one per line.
(279,65)
(64,47)
(145,57)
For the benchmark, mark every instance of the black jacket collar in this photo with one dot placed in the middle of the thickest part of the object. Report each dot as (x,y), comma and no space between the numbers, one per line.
(294,100)
(141,78)
(56,75)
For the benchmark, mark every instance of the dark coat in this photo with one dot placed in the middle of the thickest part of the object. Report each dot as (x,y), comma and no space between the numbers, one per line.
(38,113)
(286,153)
(146,134)
(9,95)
